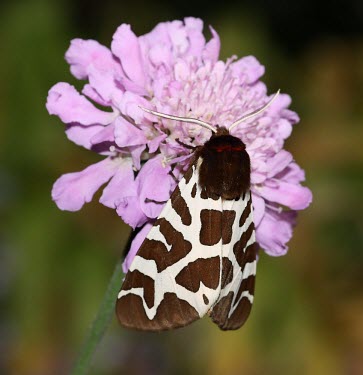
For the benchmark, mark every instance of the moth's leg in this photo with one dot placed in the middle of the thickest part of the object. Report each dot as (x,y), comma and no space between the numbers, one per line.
(189,147)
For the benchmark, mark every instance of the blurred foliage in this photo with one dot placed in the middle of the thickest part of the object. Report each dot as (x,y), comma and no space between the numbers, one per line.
(54,265)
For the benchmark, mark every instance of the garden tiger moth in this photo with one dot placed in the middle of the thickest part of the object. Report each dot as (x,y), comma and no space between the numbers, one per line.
(200,255)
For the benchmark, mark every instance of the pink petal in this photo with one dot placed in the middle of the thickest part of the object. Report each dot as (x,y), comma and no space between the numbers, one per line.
(152,209)
(107,134)
(258,177)
(129,210)
(296,197)
(178,37)
(274,232)
(284,128)
(250,67)
(105,84)
(258,170)
(258,208)
(212,48)
(158,35)
(125,46)
(160,54)
(72,190)
(90,92)
(83,53)
(136,243)
(278,163)
(121,185)
(292,173)
(281,102)
(65,102)
(194,29)
(181,70)
(81,135)
(155,185)
(154,180)
(292,116)
(155,142)
(192,23)
(278,108)
(127,134)
(128,85)
(136,152)
(129,105)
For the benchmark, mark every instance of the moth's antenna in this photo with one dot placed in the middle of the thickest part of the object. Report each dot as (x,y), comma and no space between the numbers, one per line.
(183,119)
(254,113)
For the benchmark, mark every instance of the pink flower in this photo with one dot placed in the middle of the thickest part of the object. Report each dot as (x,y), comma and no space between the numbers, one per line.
(174,70)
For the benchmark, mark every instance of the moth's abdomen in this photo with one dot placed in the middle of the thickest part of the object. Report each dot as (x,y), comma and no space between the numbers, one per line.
(225,169)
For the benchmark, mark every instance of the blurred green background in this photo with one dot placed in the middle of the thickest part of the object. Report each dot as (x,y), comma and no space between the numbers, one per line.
(54,265)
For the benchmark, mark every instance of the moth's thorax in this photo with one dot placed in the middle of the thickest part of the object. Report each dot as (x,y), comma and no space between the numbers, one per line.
(225,168)
(226,143)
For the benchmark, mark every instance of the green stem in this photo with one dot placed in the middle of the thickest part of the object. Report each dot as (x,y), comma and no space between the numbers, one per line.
(100,324)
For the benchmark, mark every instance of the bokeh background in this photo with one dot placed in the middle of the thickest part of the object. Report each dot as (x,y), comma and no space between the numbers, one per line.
(54,266)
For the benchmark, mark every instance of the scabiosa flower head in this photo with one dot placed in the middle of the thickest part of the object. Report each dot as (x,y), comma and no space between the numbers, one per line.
(172,70)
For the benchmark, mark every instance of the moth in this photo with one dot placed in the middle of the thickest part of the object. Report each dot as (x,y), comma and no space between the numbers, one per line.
(200,255)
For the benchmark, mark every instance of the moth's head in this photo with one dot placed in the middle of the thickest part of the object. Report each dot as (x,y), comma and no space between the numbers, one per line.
(220,130)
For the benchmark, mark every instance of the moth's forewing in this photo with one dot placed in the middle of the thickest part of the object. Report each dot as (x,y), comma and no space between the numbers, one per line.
(239,269)
(174,279)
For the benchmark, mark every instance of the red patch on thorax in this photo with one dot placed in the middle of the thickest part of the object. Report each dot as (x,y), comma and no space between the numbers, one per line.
(228,147)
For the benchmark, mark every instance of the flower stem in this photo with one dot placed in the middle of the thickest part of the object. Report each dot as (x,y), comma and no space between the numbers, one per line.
(100,324)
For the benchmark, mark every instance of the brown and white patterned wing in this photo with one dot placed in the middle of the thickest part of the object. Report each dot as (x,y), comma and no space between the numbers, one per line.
(238,267)
(175,277)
